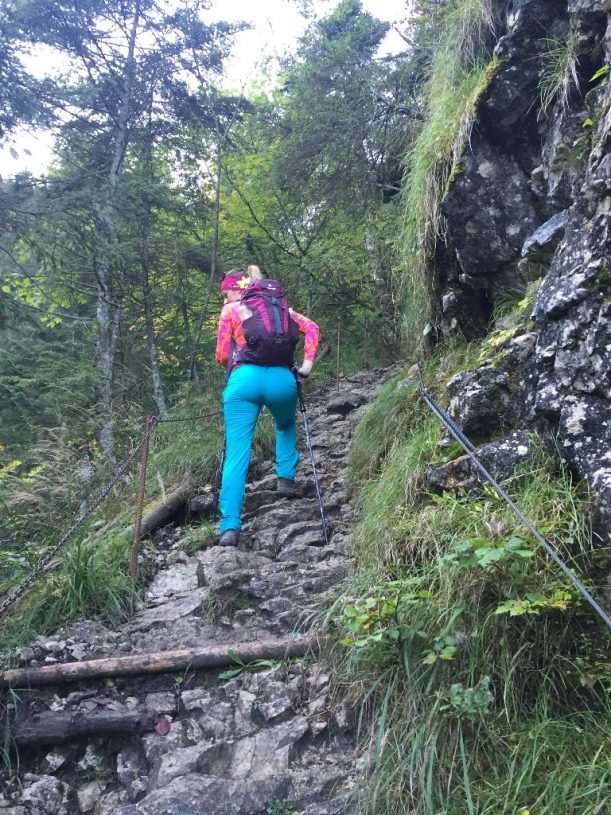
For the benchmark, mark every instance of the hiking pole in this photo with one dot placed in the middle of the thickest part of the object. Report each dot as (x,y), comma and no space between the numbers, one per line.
(311,452)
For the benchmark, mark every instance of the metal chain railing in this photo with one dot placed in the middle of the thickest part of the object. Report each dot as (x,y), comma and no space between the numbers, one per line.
(159,420)
(470,450)
(45,563)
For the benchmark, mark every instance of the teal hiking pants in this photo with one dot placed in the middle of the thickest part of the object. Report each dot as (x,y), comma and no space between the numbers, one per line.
(250,387)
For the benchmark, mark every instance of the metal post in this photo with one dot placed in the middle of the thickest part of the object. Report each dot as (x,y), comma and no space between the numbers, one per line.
(149,424)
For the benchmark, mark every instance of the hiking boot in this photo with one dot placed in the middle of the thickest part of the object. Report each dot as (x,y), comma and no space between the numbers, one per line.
(230,537)
(286,488)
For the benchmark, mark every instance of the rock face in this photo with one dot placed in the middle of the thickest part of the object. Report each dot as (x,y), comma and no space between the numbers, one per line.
(532,199)
(268,741)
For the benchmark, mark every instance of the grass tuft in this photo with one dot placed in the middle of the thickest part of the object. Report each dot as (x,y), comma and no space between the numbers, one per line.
(459,72)
(559,70)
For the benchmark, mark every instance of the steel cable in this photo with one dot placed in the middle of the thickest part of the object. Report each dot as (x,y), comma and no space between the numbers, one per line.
(471,452)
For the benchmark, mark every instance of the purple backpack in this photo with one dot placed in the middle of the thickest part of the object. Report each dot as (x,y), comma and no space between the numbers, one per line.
(271,334)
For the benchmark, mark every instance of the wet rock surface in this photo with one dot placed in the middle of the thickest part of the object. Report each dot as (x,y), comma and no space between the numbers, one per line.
(239,746)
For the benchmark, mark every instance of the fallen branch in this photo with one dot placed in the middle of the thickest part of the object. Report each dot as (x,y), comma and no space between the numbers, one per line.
(163,514)
(57,728)
(206,657)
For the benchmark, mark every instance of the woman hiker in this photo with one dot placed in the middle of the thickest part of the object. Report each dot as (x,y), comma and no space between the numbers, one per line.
(256,343)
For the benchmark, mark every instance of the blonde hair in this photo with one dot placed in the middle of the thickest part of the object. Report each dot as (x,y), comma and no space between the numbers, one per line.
(254,273)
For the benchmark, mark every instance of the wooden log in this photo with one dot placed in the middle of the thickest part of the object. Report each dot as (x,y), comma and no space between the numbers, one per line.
(204,657)
(165,512)
(57,728)
(174,502)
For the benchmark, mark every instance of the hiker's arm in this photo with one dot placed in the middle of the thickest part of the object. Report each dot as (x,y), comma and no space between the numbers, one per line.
(223,339)
(311,331)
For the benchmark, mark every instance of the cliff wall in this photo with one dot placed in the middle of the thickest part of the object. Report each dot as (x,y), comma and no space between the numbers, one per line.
(527,209)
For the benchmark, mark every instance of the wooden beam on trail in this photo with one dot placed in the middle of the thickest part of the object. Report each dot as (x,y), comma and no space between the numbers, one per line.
(204,657)
(57,728)
(164,513)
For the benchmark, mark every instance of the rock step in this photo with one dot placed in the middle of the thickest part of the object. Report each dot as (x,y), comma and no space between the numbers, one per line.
(233,746)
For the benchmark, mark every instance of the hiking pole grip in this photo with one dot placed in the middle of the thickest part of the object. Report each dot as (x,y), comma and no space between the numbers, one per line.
(302,406)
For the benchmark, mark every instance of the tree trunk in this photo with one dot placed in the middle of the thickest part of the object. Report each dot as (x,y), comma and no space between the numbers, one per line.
(158,394)
(207,657)
(165,512)
(186,322)
(213,259)
(108,313)
(57,728)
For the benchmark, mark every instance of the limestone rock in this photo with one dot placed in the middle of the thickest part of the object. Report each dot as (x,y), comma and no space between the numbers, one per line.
(176,581)
(89,795)
(501,458)
(45,794)
(201,794)
(584,434)
(346,402)
(543,242)
(589,6)
(203,505)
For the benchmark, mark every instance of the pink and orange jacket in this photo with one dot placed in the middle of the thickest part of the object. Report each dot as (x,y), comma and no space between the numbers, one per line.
(230,327)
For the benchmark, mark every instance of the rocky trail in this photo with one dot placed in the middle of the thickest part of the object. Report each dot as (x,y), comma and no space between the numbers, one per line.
(263,742)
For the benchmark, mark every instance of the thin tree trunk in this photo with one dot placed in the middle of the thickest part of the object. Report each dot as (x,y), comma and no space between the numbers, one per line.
(185,320)
(206,656)
(158,394)
(108,313)
(213,259)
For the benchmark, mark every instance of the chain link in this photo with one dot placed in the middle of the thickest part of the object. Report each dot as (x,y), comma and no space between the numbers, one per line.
(189,418)
(44,564)
(46,560)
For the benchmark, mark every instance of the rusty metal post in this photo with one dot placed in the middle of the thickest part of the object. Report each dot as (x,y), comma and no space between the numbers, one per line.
(149,424)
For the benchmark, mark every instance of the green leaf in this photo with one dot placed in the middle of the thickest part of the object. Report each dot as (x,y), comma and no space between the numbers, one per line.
(601,72)
(588,122)
(230,673)
(485,558)
(235,657)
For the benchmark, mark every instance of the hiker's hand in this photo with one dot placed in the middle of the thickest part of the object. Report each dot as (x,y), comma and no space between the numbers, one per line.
(305,369)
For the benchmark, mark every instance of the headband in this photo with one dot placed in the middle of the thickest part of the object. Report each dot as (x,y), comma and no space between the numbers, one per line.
(233,283)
